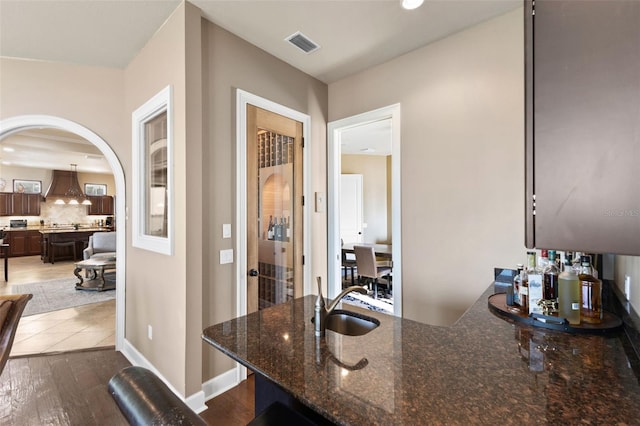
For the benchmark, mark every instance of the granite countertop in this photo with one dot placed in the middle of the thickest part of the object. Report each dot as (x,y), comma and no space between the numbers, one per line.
(63,230)
(481,370)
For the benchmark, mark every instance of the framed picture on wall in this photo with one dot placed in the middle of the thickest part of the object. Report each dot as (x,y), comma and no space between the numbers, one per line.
(27,186)
(95,189)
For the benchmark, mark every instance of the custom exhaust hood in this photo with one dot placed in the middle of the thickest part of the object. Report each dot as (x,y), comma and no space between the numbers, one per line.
(65,189)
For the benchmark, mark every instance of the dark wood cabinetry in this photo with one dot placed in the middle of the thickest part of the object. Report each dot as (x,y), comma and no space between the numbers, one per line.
(100,205)
(19,204)
(5,204)
(583,125)
(23,243)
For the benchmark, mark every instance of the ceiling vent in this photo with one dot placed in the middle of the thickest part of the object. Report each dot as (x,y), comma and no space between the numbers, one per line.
(302,42)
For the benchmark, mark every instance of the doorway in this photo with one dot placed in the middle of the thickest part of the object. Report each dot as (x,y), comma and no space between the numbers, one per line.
(274,208)
(26,122)
(247,176)
(336,132)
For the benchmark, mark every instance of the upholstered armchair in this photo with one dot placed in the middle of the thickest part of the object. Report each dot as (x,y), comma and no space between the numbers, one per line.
(101,245)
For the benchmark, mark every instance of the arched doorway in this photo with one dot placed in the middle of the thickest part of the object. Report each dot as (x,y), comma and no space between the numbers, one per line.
(17,124)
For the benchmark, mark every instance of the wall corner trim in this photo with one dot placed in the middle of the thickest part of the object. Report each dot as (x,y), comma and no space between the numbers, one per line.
(219,384)
(195,401)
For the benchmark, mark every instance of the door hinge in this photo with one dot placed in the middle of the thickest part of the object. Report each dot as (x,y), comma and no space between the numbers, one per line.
(533,205)
(533,8)
(303,142)
(303,259)
(303,200)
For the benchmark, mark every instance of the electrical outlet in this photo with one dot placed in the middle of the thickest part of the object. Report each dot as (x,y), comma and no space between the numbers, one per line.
(627,286)
(150,332)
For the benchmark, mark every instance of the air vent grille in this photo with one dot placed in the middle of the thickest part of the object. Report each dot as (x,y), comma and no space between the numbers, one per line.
(302,42)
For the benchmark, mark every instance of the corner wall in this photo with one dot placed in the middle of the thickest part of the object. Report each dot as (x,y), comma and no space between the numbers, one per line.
(230,63)
(462,110)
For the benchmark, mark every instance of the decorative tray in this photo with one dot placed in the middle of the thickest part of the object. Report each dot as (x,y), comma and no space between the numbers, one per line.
(498,305)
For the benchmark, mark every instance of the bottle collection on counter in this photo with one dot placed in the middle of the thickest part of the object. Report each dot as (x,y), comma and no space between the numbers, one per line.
(569,289)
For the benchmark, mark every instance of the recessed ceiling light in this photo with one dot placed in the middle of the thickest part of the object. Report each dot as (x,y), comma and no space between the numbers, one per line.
(367,150)
(411,4)
(8,149)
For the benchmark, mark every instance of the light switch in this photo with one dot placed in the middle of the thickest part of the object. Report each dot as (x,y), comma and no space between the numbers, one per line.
(226,256)
(320,202)
(226,230)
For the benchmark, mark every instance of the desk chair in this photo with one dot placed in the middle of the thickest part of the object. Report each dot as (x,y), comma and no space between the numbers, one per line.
(368,268)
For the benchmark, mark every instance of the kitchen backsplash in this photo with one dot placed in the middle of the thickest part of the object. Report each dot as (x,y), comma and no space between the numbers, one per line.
(53,213)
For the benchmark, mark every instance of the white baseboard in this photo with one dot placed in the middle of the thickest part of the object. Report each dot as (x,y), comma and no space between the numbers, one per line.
(195,401)
(219,384)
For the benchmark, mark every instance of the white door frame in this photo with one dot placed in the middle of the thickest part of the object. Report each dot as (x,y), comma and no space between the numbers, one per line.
(242,100)
(25,122)
(334,168)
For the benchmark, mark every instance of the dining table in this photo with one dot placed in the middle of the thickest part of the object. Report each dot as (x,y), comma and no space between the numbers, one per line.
(381,250)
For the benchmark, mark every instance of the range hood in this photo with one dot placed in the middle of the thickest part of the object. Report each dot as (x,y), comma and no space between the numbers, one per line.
(64,188)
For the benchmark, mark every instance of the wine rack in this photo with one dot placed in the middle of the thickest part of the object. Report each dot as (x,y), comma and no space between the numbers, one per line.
(274,149)
(275,284)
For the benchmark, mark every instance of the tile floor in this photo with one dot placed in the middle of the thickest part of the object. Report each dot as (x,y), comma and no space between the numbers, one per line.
(81,327)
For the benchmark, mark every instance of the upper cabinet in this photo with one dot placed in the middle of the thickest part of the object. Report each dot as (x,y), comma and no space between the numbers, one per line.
(583,125)
(19,204)
(100,205)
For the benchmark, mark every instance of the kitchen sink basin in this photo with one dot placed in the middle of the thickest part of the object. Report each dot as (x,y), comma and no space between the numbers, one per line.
(350,323)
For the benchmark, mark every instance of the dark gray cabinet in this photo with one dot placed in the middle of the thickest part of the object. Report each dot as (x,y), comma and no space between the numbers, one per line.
(583,125)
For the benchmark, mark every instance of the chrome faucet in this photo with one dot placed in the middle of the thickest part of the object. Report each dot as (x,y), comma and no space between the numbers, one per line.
(321,313)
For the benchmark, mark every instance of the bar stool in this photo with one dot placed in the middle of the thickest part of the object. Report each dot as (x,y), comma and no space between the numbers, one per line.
(60,244)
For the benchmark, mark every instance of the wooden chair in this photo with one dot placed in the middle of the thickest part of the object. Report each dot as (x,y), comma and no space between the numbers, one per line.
(11,308)
(369,269)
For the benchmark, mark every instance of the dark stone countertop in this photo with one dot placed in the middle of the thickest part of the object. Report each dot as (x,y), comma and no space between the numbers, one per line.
(481,370)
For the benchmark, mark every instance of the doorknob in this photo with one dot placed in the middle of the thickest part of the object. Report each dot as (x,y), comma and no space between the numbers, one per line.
(253,273)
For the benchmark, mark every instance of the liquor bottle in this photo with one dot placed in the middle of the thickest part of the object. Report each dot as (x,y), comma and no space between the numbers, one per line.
(534,284)
(517,281)
(591,293)
(543,262)
(270,229)
(277,230)
(551,272)
(569,295)
(288,233)
(524,291)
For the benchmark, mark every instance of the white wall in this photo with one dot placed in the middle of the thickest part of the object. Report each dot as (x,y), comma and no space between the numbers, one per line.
(462,109)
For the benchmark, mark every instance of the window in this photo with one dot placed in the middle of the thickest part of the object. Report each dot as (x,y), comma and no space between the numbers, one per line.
(152,179)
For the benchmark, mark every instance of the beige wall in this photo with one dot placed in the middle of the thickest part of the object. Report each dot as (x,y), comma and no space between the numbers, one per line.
(156,283)
(462,170)
(629,265)
(375,194)
(230,63)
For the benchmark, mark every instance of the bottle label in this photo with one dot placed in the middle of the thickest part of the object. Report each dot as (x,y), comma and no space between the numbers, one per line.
(575,306)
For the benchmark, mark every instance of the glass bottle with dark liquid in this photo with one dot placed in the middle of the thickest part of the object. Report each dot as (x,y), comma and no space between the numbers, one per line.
(591,293)
(550,278)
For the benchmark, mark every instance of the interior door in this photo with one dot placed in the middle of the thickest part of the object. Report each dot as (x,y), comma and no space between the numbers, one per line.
(351,215)
(274,209)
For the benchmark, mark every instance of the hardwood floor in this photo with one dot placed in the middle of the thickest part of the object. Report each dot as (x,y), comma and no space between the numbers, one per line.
(70,387)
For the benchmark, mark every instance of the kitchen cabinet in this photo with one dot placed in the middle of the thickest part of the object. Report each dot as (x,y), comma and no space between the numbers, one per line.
(583,125)
(5,204)
(23,243)
(19,204)
(100,205)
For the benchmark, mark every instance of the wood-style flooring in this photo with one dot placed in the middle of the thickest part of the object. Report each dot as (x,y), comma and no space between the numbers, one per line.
(70,387)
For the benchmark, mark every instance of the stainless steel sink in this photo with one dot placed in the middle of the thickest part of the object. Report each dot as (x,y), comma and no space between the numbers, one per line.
(350,323)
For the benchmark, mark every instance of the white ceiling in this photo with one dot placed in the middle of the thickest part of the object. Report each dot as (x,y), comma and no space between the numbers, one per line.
(354,35)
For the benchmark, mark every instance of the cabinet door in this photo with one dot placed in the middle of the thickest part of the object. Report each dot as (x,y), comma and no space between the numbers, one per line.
(17,201)
(583,126)
(107,205)
(5,204)
(33,243)
(18,243)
